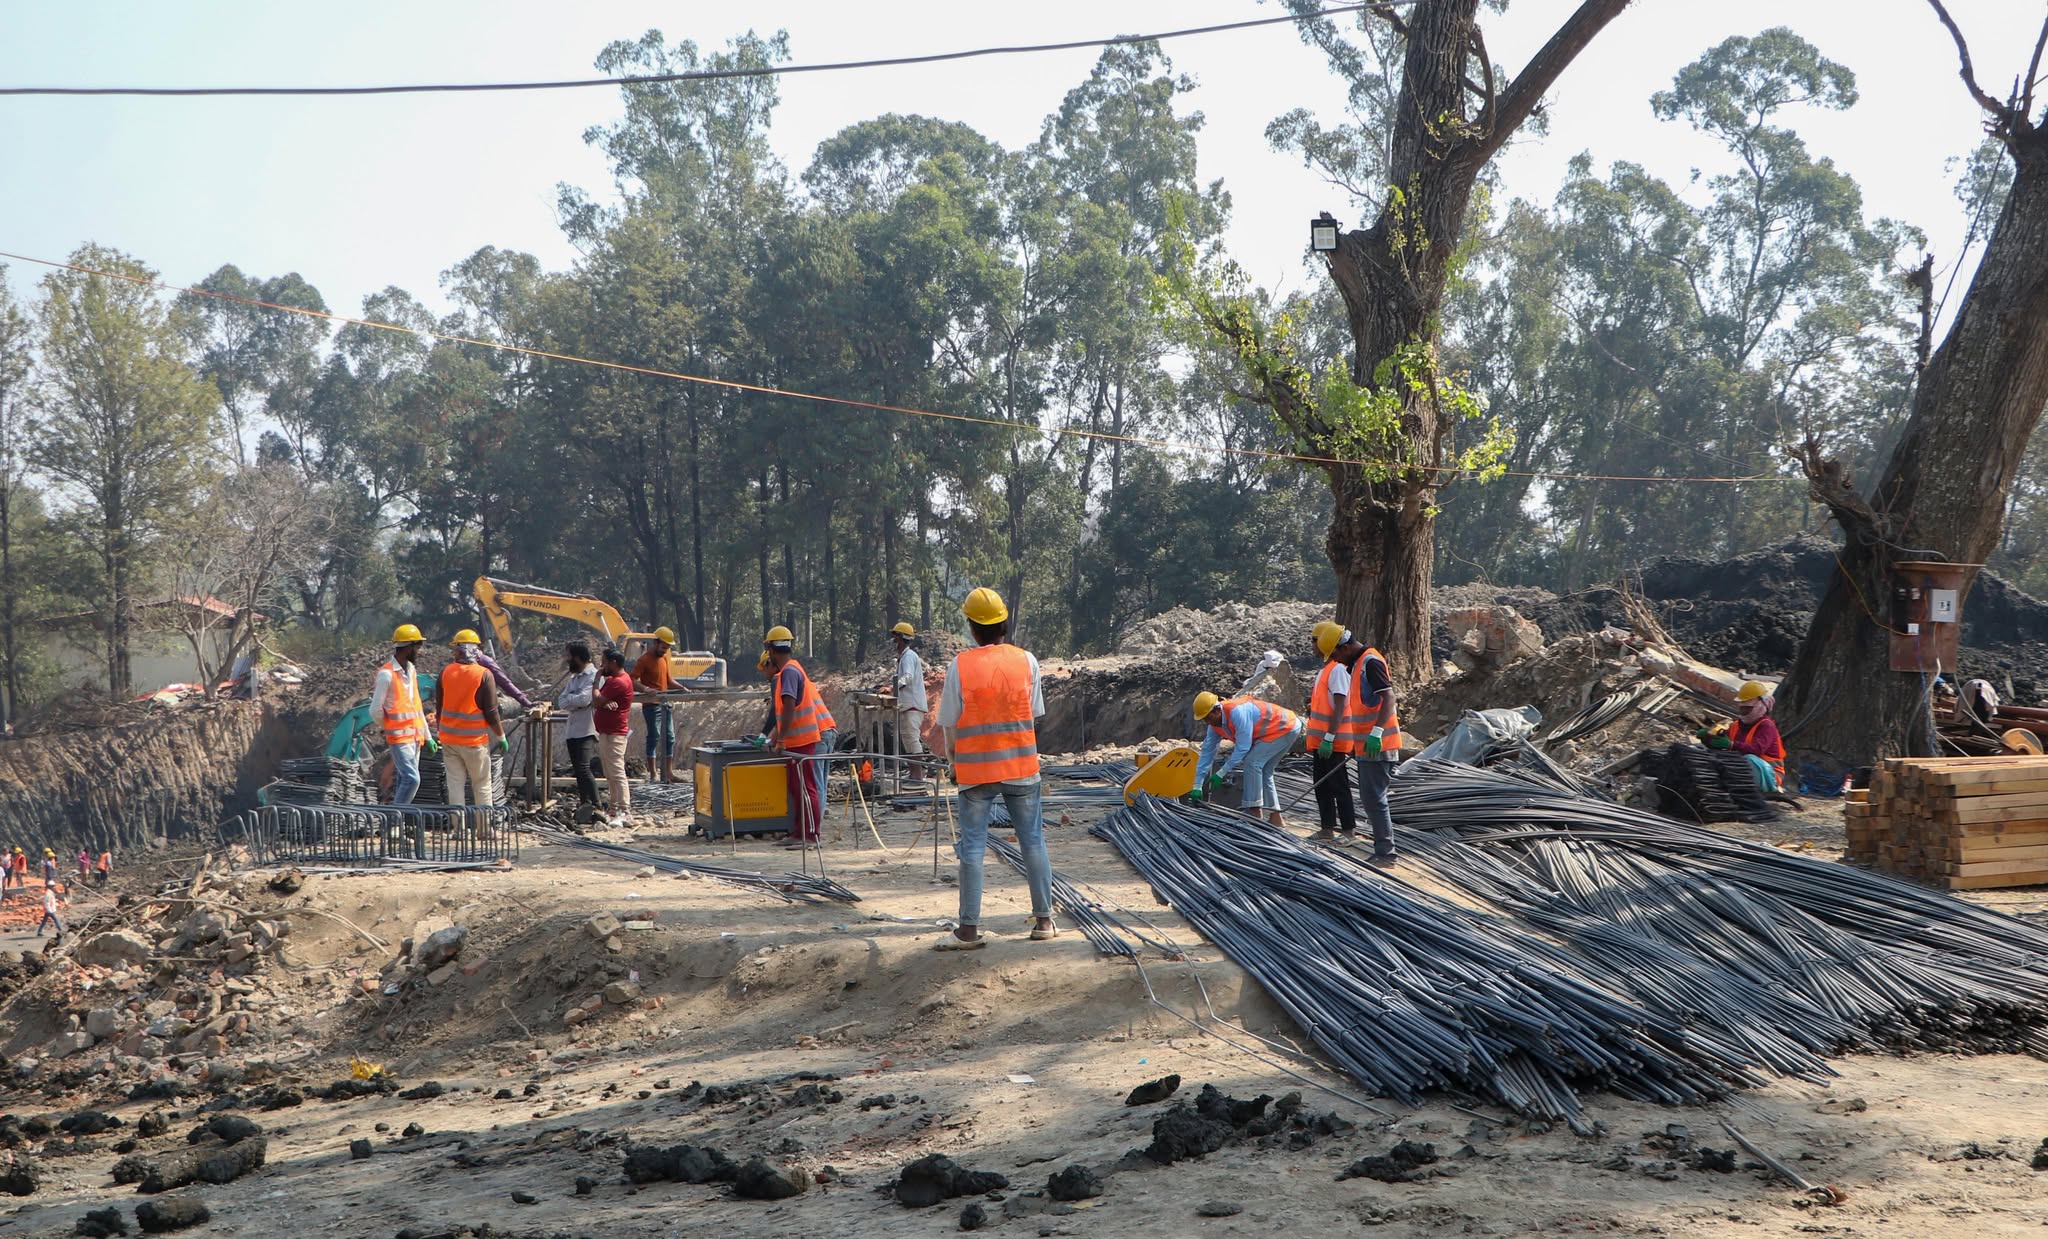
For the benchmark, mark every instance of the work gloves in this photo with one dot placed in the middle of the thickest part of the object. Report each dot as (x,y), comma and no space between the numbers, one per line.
(1717,741)
(1327,747)
(761,741)
(433,747)
(504,745)
(1374,746)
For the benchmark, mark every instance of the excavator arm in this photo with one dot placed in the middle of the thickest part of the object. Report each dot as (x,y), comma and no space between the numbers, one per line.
(696,668)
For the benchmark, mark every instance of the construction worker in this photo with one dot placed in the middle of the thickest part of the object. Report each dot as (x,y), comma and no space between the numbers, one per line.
(395,703)
(1376,735)
(613,721)
(989,710)
(578,699)
(49,868)
(796,716)
(652,673)
(466,699)
(18,865)
(50,916)
(1329,730)
(104,870)
(1754,734)
(84,866)
(1259,732)
(912,702)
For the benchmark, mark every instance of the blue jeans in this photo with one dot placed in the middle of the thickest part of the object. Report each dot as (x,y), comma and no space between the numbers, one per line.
(657,722)
(977,806)
(405,772)
(821,771)
(49,919)
(1260,792)
(1374,774)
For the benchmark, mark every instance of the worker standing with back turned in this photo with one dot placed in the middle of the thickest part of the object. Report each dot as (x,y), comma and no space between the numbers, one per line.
(912,703)
(1260,733)
(467,702)
(795,725)
(652,673)
(613,719)
(395,703)
(990,709)
(1376,727)
(1330,733)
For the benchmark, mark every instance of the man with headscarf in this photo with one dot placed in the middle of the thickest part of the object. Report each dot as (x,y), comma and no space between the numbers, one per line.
(1755,735)
(467,698)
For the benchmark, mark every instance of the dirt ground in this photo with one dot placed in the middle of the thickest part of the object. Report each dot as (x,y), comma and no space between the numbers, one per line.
(1014,1059)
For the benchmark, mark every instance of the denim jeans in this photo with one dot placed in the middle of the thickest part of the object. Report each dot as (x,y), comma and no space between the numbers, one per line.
(1374,774)
(821,771)
(1260,792)
(405,772)
(977,807)
(657,722)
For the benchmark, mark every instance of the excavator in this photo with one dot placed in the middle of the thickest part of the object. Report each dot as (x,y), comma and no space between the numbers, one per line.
(693,669)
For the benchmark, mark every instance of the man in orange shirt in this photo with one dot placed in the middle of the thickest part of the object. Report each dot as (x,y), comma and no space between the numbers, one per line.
(652,674)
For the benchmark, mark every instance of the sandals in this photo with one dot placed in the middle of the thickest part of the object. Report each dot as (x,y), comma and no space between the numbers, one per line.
(954,942)
(1044,935)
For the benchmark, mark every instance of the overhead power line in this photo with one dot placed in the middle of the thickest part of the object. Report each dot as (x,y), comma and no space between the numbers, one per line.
(1165,445)
(702,75)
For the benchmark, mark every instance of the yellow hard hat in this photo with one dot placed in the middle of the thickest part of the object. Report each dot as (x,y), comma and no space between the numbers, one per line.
(1205,702)
(466,637)
(764,664)
(1750,691)
(904,630)
(1329,635)
(665,635)
(779,635)
(407,634)
(985,606)
(48,852)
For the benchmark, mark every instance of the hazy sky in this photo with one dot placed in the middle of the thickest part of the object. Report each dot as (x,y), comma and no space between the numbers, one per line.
(359,193)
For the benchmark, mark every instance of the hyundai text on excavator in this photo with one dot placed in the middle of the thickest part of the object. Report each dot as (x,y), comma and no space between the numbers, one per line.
(693,669)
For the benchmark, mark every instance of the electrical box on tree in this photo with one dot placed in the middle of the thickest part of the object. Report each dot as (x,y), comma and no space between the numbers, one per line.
(1926,614)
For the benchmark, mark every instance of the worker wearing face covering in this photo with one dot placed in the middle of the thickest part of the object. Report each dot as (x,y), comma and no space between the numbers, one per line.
(469,723)
(1755,735)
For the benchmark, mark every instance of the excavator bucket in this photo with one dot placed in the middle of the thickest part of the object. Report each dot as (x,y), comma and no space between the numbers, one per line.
(1168,776)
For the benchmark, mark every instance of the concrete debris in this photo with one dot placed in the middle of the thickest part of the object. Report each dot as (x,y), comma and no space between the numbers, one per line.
(211,1162)
(935,1178)
(1074,1183)
(1490,637)
(440,948)
(1153,1090)
(974,1216)
(1406,1162)
(678,1163)
(160,1217)
(1218,1208)
(101,1224)
(20,1176)
(115,949)
(760,1179)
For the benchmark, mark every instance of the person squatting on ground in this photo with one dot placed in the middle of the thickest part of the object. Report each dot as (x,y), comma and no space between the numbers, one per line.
(395,704)
(613,720)
(466,703)
(989,710)
(1260,733)
(578,700)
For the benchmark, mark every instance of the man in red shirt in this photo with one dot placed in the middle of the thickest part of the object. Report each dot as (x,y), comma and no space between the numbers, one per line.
(613,718)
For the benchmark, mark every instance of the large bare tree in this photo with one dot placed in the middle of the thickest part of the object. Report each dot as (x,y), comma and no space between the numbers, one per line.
(1942,496)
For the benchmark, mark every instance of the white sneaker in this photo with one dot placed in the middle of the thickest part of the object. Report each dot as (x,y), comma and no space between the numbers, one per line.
(616,822)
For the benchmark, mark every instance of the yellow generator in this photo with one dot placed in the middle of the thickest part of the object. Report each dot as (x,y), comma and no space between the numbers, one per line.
(741,790)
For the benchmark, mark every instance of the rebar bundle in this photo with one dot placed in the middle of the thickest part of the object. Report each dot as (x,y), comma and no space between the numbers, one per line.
(369,834)
(318,780)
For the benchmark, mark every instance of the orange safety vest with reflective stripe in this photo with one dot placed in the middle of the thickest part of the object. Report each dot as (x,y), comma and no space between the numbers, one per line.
(1323,719)
(804,726)
(404,722)
(996,738)
(462,715)
(1382,720)
(1274,722)
(1776,758)
(106,861)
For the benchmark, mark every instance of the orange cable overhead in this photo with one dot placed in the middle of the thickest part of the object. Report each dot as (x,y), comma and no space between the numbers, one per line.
(1168,445)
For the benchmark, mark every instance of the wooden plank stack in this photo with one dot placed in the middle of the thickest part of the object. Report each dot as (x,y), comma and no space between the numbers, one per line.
(1960,822)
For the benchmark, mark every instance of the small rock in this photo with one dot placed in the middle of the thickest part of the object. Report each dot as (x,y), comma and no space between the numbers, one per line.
(585,1185)
(973,1217)
(63,1045)
(760,1179)
(574,1016)
(621,993)
(525,1198)
(115,949)
(172,1213)
(1153,1090)
(934,1178)
(105,1022)
(440,947)
(601,926)
(1218,1208)
(101,1223)
(359,1149)
(233,1128)
(21,1177)
(1074,1183)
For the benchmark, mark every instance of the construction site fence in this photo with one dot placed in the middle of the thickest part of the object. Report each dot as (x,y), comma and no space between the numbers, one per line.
(371,834)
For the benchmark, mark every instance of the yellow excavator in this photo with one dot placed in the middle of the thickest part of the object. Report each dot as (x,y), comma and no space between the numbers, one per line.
(693,669)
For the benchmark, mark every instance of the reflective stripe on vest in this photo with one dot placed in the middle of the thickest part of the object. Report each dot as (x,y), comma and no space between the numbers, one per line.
(802,727)
(1323,719)
(1273,722)
(462,716)
(1736,732)
(1382,720)
(402,717)
(996,738)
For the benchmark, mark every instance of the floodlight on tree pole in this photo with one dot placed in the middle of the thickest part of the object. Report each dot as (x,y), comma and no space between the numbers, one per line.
(1322,234)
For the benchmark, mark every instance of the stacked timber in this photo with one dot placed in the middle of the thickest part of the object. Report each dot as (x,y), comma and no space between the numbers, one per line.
(1960,822)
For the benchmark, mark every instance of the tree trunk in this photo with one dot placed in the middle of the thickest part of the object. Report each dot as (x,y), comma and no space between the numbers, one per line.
(1942,496)
(697,512)
(831,591)
(892,607)
(924,576)
(1383,559)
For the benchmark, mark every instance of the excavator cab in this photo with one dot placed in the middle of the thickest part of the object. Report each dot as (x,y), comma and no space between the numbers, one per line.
(693,668)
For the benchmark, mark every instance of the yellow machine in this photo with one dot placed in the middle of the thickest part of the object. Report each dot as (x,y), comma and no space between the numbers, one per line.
(1168,776)
(692,668)
(740,791)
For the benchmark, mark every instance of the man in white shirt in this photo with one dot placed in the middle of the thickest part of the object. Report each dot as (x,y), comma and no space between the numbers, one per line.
(578,700)
(911,700)
(395,705)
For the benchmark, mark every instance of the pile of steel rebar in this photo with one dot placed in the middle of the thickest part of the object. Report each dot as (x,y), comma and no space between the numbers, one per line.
(1589,946)
(318,780)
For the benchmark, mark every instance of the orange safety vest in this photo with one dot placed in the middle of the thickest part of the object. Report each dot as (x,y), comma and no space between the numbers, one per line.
(1323,719)
(802,727)
(996,738)
(462,715)
(106,861)
(1383,719)
(1776,759)
(1274,722)
(404,722)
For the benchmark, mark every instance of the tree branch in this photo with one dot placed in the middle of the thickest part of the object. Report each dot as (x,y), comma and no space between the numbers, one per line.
(1536,77)
(1385,12)
(1984,101)
(1489,101)
(2033,68)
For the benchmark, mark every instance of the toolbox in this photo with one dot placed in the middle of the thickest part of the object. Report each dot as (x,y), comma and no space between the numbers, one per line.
(741,790)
